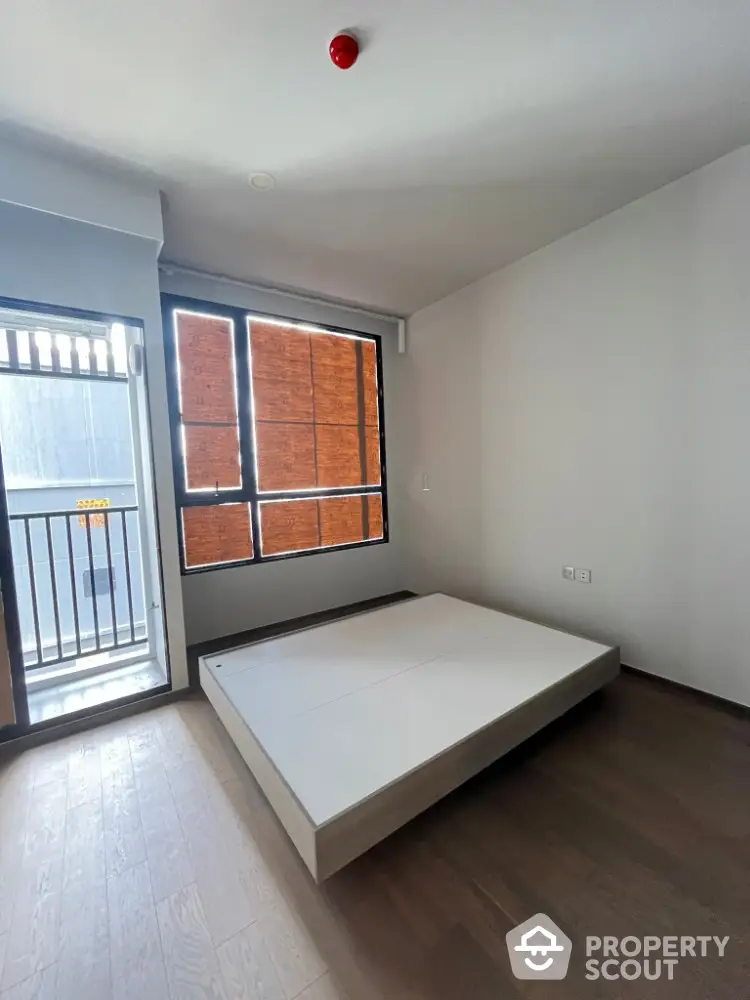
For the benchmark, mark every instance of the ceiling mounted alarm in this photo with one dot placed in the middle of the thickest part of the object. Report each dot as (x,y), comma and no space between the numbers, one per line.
(344,50)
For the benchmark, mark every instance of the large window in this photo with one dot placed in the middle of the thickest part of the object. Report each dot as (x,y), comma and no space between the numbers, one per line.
(277,435)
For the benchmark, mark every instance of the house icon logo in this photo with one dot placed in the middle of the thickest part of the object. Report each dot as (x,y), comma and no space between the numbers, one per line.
(538,949)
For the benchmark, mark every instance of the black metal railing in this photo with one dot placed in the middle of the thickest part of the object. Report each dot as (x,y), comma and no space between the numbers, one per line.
(77,590)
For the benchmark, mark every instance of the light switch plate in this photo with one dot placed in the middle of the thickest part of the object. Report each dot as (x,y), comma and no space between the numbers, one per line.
(569,573)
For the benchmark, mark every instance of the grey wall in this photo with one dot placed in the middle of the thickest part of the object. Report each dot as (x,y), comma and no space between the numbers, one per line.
(221,602)
(60,262)
(612,370)
(100,196)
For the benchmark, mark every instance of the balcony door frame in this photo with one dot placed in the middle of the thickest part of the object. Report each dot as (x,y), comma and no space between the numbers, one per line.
(144,453)
(11,620)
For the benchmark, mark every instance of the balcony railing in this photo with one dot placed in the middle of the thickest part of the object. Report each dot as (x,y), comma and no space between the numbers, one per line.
(78,577)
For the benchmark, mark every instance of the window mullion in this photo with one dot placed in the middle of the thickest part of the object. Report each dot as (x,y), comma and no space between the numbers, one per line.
(211,499)
(245,416)
(320,494)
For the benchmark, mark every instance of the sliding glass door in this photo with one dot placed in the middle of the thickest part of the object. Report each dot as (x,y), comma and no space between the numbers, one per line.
(79,514)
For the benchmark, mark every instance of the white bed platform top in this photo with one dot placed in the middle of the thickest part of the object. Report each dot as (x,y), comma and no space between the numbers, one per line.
(345,711)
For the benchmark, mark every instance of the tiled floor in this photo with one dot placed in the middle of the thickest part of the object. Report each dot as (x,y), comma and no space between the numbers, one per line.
(121,682)
(138,861)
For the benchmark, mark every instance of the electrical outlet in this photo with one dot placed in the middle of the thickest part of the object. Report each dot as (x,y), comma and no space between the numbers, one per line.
(583,575)
(569,573)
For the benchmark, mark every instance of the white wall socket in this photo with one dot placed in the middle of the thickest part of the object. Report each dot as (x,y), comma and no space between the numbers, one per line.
(580,575)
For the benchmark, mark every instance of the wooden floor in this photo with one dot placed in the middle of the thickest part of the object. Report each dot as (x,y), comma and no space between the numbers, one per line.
(140,861)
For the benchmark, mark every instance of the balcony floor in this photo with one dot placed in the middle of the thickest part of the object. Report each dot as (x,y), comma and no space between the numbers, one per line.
(88,692)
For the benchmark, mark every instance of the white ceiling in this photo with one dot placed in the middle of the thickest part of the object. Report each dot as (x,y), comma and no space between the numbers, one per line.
(467,135)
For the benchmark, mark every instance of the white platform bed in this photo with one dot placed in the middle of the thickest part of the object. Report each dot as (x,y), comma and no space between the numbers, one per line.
(354,727)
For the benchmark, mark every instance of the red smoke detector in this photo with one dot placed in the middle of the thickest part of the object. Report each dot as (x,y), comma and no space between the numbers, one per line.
(344,50)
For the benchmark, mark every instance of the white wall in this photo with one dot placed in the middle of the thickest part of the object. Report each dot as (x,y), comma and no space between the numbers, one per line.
(613,373)
(442,371)
(224,601)
(61,262)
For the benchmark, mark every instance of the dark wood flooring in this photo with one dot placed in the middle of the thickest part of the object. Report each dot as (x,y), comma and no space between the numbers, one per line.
(139,861)
(630,816)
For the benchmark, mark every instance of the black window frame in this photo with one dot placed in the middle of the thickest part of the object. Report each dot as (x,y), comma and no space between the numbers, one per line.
(248,492)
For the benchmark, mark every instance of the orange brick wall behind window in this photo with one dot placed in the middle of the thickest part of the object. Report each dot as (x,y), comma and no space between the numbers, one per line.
(205,352)
(216,534)
(326,384)
(315,411)
(297,525)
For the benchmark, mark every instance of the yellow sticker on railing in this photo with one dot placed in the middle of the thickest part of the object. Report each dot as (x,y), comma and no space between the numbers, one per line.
(96,520)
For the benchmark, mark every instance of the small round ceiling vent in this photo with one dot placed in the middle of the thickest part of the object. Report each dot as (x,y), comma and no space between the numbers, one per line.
(262,182)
